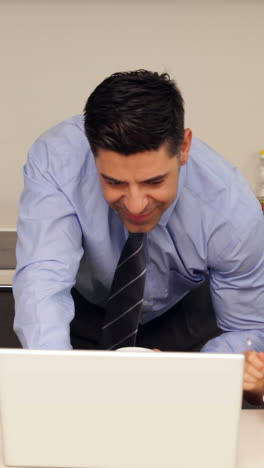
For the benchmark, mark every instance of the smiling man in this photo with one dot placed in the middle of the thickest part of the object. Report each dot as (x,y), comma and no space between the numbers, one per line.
(127,167)
(140,188)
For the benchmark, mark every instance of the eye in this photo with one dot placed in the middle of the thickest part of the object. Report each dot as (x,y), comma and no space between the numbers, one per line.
(114,182)
(155,182)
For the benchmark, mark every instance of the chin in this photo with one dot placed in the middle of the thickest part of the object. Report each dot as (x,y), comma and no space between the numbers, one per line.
(143,226)
(133,227)
(138,229)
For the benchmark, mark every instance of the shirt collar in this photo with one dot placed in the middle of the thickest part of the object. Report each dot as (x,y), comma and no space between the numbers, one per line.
(166,215)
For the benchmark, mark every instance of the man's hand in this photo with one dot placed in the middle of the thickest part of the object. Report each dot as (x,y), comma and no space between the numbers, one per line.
(254,372)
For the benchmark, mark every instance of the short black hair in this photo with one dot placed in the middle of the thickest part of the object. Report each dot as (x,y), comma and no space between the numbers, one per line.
(135,111)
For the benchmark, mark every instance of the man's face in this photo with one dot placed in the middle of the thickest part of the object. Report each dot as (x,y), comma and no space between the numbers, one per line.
(140,187)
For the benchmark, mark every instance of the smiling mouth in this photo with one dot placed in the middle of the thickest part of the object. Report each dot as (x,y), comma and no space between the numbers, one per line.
(138,218)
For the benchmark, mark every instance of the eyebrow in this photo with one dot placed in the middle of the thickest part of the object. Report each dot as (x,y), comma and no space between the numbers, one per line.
(153,179)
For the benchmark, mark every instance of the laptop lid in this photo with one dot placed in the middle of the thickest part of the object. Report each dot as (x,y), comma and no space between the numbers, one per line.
(97,409)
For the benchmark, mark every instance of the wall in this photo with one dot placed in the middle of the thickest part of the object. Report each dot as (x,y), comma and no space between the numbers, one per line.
(54,52)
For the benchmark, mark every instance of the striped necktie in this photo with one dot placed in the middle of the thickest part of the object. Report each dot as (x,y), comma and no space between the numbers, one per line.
(126,296)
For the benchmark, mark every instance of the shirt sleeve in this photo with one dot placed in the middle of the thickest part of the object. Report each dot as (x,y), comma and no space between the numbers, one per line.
(237,287)
(49,249)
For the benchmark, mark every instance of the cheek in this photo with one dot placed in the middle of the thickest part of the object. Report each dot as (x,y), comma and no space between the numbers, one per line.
(165,194)
(111,195)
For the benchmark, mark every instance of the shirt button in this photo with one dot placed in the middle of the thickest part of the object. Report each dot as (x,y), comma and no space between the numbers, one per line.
(146,303)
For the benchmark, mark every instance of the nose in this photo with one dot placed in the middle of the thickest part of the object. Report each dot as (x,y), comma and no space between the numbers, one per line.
(135,202)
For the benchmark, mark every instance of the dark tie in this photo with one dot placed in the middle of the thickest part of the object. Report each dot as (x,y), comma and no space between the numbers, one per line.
(126,296)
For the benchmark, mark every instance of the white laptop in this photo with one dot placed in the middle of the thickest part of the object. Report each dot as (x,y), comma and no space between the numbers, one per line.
(106,409)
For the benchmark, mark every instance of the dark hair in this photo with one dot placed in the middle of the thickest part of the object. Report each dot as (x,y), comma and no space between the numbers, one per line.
(132,112)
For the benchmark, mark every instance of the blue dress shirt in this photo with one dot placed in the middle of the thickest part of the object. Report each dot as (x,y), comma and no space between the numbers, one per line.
(68,234)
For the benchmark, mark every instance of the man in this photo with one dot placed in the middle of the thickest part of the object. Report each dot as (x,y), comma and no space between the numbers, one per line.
(141,172)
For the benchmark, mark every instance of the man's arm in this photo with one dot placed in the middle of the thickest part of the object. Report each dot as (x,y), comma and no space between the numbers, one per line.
(237,287)
(49,250)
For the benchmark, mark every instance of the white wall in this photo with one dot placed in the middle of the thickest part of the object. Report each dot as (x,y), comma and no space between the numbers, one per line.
(54,52)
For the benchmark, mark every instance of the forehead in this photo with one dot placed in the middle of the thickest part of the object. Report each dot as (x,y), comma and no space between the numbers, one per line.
(141,166)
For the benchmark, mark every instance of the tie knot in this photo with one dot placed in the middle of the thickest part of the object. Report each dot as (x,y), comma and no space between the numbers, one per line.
(136,237)
(134,247)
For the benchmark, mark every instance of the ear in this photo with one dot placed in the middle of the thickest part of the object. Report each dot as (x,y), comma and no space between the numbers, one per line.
(186,146)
